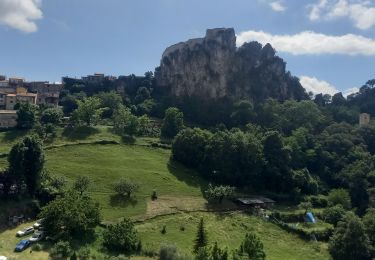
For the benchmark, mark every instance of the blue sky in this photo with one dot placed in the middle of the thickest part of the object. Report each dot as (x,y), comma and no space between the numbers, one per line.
(330,44)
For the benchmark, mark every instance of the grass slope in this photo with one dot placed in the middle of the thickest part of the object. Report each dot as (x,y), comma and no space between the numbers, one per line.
(229,230)
(104,164)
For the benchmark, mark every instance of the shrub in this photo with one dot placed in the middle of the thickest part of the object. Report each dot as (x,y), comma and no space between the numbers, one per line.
(334,214)
(61,249)
(121,237)
(318,201)
(37,247)
(84,253)
(154,195)
(339,196)
(164,229)
(168,252)
(218,193)
(125,187)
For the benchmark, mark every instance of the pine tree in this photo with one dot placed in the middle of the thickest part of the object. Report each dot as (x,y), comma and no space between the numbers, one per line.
(201,240)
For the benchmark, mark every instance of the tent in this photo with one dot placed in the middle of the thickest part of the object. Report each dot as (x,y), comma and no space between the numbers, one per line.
(310,217)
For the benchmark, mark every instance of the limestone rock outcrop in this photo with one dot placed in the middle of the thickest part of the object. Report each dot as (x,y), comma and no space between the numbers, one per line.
(213,67)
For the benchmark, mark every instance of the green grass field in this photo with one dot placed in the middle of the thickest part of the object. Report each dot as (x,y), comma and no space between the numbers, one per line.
(180,201)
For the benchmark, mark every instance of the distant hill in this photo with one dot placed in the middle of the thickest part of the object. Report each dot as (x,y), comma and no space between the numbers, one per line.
(213,68)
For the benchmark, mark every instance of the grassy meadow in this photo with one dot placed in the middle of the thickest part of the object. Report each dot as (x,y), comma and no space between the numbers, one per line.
(179,206)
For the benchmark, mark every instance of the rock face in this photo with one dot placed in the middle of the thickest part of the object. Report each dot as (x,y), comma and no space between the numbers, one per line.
(213,67)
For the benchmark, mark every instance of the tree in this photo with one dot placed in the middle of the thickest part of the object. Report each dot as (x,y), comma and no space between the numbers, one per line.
(173,122)
(70,215)
(142,94)
(124,122)
(339,197)
(218,193)
(61,250)
(201,238)
(81,184)
(26,115)
(334,214)
(202,254)
(189,145)
(121,237)
(252,247)
(243,113)
(26,162)
(88,111)
(51,116)
(369,222)
(349,240)
(111,101)
(218,254)
(125,187)
(305,205)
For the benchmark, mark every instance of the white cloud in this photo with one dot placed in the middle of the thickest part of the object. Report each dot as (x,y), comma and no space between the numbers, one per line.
(360,12)
(277,6)
(311,43)
(20,14)
(317,86)
(350,91)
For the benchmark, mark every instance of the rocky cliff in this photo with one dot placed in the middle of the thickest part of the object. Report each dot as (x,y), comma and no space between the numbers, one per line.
(213,67)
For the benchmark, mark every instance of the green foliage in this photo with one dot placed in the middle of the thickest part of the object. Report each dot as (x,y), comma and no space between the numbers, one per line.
(110,101)
(202,253)
(81,184)
(173,123)
(189,146)
(369,222)
(26,115)
(88,111)
(84,253)
(218,193)
(339,197)
(125,187)
(218,254)
(61,250)
(70,215)
(121,237)
(125,123)
(243,113)
(252,247)
(26,161)
(169,252)
(306,206)
(51,116)
(334,214)
(349,241)
(201,239)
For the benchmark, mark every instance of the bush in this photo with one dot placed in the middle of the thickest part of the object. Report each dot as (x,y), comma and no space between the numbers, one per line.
(84,253)
(121,237)
(170,252)
(37,247)
(218,193)
(154,195)
(339,196)
(61,249)
(164,229)
(318,201)
(125,187)
(334,214)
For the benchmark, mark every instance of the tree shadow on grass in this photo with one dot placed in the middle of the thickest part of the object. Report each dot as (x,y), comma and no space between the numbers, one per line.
(14,134)
(127,139)
(183,174)
(79,133)
(122,201)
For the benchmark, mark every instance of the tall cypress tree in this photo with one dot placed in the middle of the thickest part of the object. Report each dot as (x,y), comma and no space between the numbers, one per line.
(201,240)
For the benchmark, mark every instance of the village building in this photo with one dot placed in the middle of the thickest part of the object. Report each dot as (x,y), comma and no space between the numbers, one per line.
(364,119)
(8,118)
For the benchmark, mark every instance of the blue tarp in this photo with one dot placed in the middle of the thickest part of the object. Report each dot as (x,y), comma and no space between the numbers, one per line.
(310,217)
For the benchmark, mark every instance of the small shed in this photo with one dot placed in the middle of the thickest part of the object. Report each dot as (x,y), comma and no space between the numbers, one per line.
(255,202)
